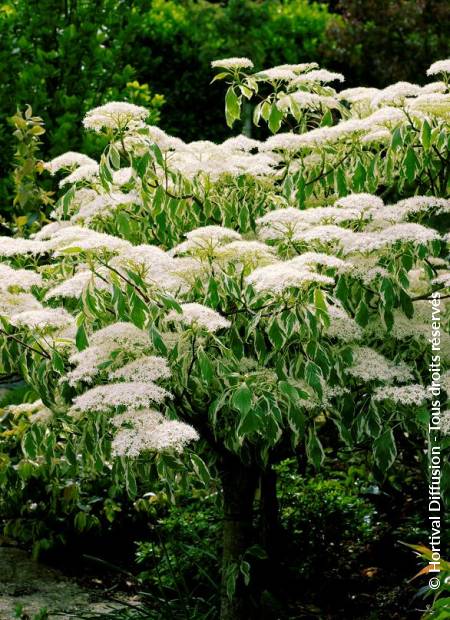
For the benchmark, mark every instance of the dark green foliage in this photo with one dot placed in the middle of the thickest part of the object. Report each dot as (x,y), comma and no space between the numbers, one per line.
(379,42)
(63,58)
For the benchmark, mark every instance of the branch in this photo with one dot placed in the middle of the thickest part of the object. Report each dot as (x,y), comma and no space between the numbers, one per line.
(42,352)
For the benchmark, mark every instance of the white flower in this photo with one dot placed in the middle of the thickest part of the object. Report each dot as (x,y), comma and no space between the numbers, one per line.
(365,268)
(105,205)
(114,115)
(303,100)
(417,204)
(245,252)
(68,160)
(120,333)
(300,67)
(398,233)
(440,66)
(387,116)
(75,286)
(325,234)
(87,173)
(13,246)
(205,238)
(149,431)
(434,87)
(144,369)
(405,395)
(380,135)
(276,278)
(327,215)
(197,314)
(232,63)
(360,202)
(49,230)
(369,365)
(37,411)
(241,143)
(276,74)
(443,279)
(288,141)
(317,75)
(342,326)
(213,233)
(84,239)
(131,395)
(13,303)
(395,94)
(319,258)
(22,279)
(344,130)
(281,223)
(358,94)
(46,318)
(122,176)
(118,337)
(437,104)
(445,422)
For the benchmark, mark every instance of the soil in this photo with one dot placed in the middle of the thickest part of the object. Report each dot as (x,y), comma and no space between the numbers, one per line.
(26,583)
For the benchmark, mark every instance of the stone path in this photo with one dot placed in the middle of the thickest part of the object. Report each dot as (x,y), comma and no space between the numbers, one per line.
(35,586)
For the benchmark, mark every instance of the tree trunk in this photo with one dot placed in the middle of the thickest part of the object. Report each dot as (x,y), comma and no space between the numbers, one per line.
(270,525)
(239,484)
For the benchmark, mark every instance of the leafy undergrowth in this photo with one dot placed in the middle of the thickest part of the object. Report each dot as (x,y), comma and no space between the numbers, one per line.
(338,558)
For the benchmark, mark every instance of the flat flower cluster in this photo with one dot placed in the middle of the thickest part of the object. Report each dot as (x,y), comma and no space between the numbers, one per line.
(335,257)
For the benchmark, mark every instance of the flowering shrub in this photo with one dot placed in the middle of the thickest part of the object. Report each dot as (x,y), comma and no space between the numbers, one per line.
(219,306)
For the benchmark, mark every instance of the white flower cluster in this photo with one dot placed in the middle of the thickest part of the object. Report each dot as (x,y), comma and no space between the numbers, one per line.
(21,279)
(402,395)
(147,430)
(37,412)
(114,115)
(43,319)
(195,314)
(75,286)
(283,275)
(369,365)
(232,63)
(131,394)
(117,337)
(132,391)
(68,161)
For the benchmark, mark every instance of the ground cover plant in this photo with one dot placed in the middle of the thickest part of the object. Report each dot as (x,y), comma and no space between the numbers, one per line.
(194,314)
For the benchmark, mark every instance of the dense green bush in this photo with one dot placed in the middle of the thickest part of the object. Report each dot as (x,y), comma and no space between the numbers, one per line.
(66,58)
(382,41)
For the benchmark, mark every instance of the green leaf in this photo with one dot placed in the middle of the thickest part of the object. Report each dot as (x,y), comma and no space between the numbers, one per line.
(275,118)
(114,156)
(385,450)
(242,399)
(313,376)
(362,314)
(81,338)
(314,448)
(249,423)
(57,362)
(200,468)
(206,368)
(426,135)
(410,163)
(29,447)
(232,107)
(275,334)
(397,138)
(319,300)
(341,182)
(157,340)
